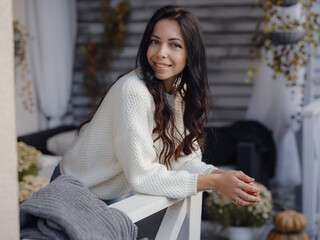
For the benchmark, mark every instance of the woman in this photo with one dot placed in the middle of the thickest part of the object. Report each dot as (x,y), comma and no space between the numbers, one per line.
(146,135)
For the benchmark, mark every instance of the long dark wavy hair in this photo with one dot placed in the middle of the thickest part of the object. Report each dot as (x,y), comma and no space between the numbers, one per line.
(193,87)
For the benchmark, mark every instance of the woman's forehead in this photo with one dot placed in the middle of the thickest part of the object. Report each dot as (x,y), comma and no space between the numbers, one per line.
(167,29)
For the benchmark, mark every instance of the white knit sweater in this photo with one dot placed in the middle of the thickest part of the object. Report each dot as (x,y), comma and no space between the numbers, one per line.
(115,153)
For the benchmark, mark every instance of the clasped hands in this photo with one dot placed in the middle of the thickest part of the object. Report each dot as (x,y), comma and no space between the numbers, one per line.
(235,185)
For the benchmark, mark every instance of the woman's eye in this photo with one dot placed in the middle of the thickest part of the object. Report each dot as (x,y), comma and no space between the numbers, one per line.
(152,41)
(175,45)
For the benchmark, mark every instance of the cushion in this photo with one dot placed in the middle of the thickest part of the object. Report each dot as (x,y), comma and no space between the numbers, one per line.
(59,143)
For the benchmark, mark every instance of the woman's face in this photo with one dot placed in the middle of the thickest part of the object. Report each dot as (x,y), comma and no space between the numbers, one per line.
(167,54)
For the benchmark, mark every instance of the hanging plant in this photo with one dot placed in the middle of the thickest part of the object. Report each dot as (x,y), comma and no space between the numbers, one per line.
(288,38)
(98,58)
(21,67)
(285,3)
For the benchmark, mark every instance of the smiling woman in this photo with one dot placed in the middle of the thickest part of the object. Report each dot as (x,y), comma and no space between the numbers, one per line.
(167,54)
(147,133)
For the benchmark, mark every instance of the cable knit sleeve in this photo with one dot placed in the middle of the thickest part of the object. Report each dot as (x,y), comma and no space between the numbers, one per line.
(132,133)
(192,163)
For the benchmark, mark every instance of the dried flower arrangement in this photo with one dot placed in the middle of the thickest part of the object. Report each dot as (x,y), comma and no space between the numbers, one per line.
(28,168)
(21,67)
(225,212)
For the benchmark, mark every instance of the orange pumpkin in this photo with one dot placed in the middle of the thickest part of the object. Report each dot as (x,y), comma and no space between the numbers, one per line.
(275,235)
(290,221)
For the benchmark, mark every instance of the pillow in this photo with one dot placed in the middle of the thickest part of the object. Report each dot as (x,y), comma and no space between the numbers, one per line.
(47,164)
(59,143)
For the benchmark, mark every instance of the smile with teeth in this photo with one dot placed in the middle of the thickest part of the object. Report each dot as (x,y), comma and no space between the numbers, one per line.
(161,65)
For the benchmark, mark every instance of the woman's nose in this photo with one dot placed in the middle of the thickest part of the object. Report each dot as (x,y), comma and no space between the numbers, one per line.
(163,51)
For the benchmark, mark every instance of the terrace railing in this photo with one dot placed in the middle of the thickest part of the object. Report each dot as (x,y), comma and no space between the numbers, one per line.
(311,167)
(182,219)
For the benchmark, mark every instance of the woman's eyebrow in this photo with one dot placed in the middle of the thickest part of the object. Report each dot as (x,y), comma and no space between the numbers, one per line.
(173,39)
(170,39)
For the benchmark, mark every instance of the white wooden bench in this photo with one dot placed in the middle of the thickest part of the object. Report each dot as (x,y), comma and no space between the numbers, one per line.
(311,167)
(182,219)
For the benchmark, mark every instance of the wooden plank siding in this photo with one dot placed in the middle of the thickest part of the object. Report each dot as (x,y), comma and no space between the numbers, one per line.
(228,27)
(314,78)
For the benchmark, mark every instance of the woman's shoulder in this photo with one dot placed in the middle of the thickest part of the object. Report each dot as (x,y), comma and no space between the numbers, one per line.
(131,87)
(132,81)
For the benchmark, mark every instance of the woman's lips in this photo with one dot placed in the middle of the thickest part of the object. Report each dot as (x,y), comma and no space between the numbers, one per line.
(161,66)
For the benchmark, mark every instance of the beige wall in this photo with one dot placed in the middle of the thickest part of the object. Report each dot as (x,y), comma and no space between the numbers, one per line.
(8,157)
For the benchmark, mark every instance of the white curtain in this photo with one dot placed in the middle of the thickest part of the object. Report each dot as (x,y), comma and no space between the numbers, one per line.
(52,29)
(277,105)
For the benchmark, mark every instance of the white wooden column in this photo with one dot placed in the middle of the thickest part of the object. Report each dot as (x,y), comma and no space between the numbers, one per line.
(9,224)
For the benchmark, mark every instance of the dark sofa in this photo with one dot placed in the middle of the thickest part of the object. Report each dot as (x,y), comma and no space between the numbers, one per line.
(245,145)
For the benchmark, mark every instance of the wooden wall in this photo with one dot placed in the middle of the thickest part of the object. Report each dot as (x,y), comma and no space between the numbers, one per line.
(314,88)
(228,28)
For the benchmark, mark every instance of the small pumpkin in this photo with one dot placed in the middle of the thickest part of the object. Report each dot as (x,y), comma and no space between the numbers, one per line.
(290,221)
(275,235)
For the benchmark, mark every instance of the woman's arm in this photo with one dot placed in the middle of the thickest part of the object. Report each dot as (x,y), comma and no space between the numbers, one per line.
(246,190)
(193,163)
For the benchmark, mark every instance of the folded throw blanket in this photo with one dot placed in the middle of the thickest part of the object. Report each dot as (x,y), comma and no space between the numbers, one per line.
(65,209)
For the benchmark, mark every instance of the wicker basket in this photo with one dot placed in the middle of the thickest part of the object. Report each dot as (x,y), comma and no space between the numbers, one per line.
(286,37)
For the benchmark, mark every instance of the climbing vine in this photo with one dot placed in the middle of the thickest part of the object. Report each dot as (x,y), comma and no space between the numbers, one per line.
(98,57)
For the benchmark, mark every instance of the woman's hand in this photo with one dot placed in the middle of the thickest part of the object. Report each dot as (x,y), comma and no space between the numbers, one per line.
(235,185)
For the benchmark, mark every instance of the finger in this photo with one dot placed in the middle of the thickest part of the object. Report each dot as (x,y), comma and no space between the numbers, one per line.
(257,192)
(240,202)
(248,197)
(242,176)
(250,188)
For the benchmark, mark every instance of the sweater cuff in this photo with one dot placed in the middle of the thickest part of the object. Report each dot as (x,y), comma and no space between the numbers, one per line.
(208,169)
(191,185)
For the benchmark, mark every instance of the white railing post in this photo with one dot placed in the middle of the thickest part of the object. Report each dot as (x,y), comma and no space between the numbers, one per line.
(172,221)
(181,220)
(311,166)
(195,209)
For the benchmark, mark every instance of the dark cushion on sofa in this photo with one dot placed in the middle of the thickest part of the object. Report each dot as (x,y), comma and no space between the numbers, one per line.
(221,144)
(39,139)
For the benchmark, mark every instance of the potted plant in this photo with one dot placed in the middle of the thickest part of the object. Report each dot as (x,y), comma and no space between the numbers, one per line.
(287,37)
(233,217)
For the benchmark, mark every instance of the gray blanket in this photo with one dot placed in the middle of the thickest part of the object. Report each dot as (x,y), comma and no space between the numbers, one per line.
(65,209)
